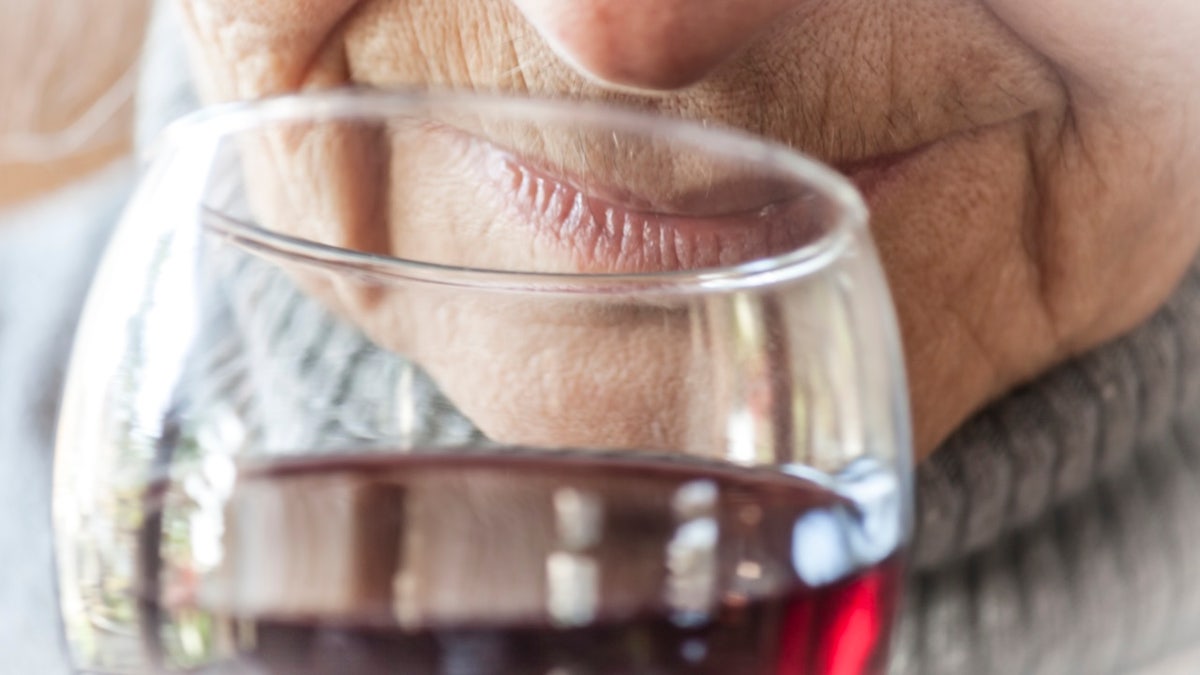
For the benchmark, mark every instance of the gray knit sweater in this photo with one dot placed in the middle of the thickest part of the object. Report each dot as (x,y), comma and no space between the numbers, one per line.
(1056,530)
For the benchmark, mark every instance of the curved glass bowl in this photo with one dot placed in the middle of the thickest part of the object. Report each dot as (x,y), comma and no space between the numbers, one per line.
(503,323)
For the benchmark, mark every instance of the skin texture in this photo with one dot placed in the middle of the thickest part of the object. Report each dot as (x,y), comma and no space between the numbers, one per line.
(1055,209)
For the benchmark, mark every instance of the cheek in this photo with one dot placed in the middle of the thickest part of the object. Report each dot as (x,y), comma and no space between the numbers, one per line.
(954,241)
(954,232)
(1122,224)
(1113,52)
(1027,243)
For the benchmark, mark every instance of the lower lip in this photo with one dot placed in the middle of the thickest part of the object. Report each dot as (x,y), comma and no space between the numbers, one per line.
(605,237)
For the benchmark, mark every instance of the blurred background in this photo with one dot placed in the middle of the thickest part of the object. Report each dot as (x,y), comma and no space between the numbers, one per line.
(68,75)
(67,79)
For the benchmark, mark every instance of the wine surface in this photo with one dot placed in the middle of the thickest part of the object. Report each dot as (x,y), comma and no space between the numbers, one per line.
(509,563)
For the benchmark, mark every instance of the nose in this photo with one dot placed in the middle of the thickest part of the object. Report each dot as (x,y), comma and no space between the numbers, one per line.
(650,44)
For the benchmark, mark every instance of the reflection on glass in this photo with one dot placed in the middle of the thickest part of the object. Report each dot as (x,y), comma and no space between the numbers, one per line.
(376,382)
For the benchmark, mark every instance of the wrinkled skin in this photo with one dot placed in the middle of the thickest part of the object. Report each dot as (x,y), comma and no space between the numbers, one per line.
(1057,209)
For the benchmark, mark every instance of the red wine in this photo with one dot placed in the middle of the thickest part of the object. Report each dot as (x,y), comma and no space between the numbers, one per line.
(515,563)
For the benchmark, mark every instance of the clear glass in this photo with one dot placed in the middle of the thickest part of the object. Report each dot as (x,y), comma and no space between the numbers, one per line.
(457,383)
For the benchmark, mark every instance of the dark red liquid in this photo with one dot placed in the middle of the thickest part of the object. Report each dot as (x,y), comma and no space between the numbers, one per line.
(497,564)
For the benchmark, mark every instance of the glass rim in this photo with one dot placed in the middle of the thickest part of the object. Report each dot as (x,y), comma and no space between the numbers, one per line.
(212,123)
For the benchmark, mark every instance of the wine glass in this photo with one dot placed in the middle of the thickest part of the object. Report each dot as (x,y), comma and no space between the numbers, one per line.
(458,383)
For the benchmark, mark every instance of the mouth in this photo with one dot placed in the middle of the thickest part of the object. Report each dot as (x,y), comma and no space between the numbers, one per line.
(607,229)
(642,214)
(873,175)
(879,178)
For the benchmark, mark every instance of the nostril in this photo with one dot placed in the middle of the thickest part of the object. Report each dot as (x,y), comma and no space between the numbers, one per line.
(650,44)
